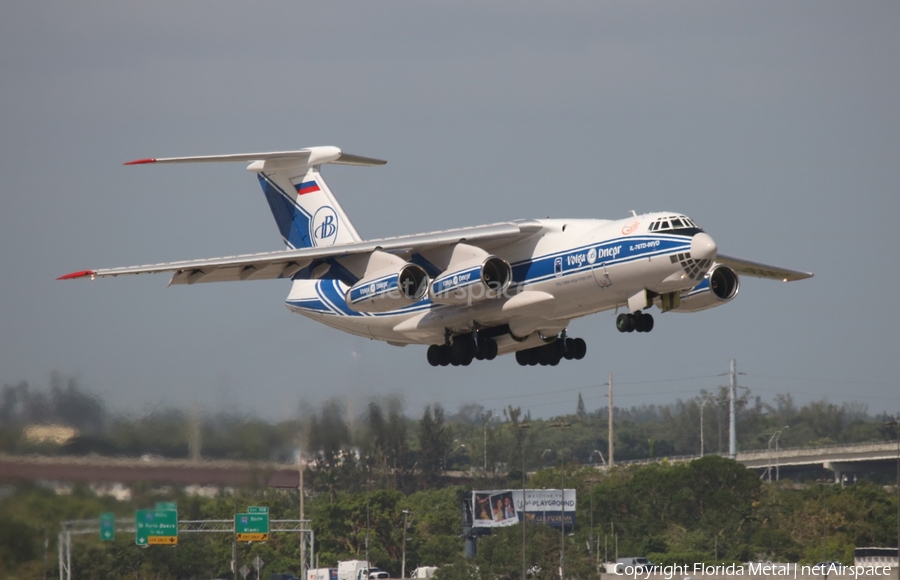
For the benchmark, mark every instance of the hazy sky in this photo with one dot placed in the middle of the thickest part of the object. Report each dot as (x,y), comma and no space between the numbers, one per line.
(775,125)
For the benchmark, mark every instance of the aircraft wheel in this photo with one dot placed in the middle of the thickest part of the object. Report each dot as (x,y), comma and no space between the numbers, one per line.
(580,348)
(569,349)
(547,353)
(638,318)
(533,356)
(624,322)
(463,348)
(490,349)
(445,355)
(648,322)
(434,355)
(522,357)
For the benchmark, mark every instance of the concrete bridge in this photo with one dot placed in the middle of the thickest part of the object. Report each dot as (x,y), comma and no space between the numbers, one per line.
(839,460)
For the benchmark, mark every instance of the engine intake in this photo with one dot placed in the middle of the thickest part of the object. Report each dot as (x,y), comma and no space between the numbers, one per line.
(472,281)
(720,285)
(388,291)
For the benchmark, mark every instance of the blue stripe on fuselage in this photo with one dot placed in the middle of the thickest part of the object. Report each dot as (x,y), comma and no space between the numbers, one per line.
(575,260)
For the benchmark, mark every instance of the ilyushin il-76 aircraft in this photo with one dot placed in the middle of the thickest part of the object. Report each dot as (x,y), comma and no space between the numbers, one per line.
(468,293)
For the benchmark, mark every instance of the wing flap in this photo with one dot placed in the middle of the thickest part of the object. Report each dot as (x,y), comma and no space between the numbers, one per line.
(286,263)
(757,270)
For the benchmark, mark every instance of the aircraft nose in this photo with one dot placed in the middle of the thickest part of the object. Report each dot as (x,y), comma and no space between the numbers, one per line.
(703,247)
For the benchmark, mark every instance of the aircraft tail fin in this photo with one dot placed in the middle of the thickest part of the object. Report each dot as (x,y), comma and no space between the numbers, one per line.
(306,212)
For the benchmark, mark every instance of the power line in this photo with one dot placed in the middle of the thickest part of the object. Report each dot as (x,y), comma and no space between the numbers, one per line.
(817,380)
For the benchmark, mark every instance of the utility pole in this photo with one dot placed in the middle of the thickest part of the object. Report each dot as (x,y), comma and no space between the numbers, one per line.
(367,522)
(732,431)
(405,524)
(302,517)
(562,489)
(611,445)
(895,423)
(234,563)
(524,501)
(703,404)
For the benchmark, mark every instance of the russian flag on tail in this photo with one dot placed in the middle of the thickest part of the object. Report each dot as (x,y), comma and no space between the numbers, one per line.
(306,187)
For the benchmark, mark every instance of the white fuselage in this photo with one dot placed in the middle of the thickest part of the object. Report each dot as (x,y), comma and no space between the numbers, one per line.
(570,268)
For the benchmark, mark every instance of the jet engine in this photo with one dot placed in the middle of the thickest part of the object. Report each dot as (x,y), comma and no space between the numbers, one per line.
(384,282)
(472,275)
(719,286)
(388,291)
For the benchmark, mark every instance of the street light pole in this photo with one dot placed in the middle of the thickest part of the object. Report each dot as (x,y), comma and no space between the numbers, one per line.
(485,418)
(777,463)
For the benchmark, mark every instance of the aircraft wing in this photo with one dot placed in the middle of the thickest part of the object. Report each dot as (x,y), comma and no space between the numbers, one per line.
(757,270)
(286,263)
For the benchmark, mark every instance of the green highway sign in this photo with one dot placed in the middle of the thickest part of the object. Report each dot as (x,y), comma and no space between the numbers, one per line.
(252,526)
(155,527)
(107,526)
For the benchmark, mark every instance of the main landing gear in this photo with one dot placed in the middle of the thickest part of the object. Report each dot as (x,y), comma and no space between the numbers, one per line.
(552,353)
(638,321)
(462,351)
(468,347)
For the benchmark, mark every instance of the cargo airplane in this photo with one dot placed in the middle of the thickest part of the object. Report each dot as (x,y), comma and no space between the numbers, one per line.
(468,293)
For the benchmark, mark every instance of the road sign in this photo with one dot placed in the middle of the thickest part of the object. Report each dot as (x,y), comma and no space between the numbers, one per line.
(252,526)
(156,527)
(107,526)
(244,570)
(258,563)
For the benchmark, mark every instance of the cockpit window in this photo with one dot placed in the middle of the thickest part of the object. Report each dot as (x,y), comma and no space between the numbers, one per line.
(676,224)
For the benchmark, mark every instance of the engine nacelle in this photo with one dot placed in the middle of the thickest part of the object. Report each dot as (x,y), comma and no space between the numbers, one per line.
(719,286)
(388,290)
(473,280)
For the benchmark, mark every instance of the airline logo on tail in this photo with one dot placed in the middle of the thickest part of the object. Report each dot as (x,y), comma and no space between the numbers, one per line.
(324,226)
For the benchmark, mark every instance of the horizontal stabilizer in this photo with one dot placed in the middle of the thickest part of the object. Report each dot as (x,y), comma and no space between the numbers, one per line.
(309,156)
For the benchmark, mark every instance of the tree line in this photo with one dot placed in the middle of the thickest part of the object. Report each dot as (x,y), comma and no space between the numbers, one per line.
(711,510)
(383,441)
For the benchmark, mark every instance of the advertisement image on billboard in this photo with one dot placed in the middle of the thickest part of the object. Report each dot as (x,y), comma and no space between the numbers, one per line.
(505,507)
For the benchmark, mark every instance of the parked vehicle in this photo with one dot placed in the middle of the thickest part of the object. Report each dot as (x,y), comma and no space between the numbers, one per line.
(640,564)
(322,574)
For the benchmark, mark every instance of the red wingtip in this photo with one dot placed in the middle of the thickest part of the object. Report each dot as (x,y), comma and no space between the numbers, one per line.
(141,161)
(81,274)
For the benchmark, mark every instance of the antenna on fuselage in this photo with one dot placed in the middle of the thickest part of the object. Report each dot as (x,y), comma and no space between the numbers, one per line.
(633,213)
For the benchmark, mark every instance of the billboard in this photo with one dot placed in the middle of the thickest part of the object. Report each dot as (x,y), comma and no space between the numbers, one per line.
(504,507)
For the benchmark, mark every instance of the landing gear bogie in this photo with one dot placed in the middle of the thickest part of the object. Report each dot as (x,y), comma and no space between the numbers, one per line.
(551,354)
(638,321)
